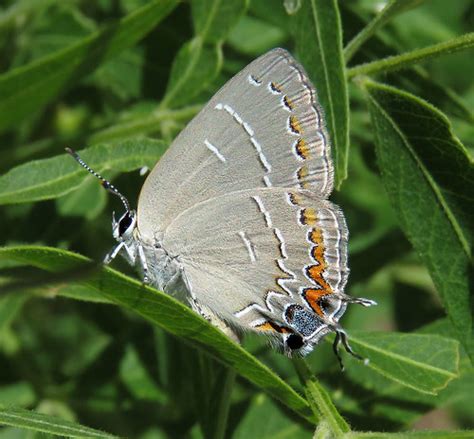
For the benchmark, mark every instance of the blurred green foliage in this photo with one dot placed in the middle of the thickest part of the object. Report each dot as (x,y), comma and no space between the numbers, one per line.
(86,350)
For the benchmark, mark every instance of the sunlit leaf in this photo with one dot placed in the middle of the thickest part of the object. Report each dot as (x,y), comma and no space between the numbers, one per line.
(50,178)
(429,177)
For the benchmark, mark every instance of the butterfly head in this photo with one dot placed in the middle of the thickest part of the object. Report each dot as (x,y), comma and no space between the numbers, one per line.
(122,229)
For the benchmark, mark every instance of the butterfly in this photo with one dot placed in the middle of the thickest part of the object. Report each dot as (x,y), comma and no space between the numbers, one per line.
(237,210)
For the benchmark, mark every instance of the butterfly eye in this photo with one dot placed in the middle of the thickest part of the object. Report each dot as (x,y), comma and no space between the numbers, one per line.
(125,223)
(294,341)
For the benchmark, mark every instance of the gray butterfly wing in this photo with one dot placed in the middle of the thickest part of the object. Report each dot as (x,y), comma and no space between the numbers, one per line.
(264,128)
(248,255)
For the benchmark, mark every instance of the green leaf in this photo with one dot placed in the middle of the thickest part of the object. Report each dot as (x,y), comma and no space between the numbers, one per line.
(423,362)
(87,201)
(10,306)
(194,68)
(199,61)
(213,19)
(413,57)
(265,421)
(429,177)
(319,400)
(29,420)
(166,312)
(77,292)
(137,379)
(419,82)
(252,36)
(50,178)
(318,38)
(376,398)
(19,393)
(27,89)
(214,394)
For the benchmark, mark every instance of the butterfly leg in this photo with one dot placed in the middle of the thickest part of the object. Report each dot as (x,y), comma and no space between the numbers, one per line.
(341,338)
(113,253)
(144,264)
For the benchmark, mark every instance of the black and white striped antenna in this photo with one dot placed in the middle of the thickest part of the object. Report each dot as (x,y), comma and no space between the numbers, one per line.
(105,183)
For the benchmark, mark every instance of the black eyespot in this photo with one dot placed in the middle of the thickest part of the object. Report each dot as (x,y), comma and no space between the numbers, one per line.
(124,224)
(294,341)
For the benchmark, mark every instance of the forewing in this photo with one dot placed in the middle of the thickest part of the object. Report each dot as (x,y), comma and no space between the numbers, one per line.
(264,128)
(247,255)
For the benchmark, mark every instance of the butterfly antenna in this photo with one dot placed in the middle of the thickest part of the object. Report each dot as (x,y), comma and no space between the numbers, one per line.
(105,183)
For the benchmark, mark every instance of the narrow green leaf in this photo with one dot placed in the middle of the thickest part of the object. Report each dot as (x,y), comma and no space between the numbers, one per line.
(213,19)
(76,292)
(423,362)
(28,88)
(29,420)
(253,37)
(137,379)
(318,397)
(199,61)
(167,313)
(50,178)
(318,38)
(194,68)
(319,400)
(10,306)
(87,201)
(220,404)
(429,177)
(391,9)
(413,57)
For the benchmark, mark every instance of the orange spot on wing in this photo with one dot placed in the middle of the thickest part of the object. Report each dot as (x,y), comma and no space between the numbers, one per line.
(288,102)
(295,199)
(270,326)
(302,149)
(295,125)
(308,217)
(275,87)
(301,174)
(315,272)
(313,297)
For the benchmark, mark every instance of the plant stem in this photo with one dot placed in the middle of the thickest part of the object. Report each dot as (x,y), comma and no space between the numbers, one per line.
(414,57)
(320,401)
(392,8)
